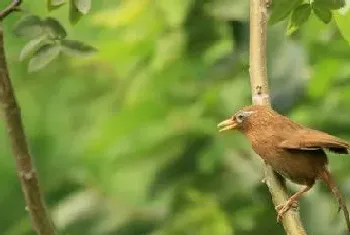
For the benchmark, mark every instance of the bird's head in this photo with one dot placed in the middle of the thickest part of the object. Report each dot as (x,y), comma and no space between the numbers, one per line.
(244,118)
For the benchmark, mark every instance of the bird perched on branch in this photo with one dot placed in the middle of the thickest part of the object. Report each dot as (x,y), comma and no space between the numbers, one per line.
(292,150)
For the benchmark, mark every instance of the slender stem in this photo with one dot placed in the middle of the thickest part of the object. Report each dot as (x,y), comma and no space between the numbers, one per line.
(260,95)
(35,204)
(13,6)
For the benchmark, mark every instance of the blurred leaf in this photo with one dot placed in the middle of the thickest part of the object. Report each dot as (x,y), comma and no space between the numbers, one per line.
(168,49)
(56,30)
(299,16)
(83,6)
(175,12)
(342,18)
(44,56)
(330,4)
(126,14)
(178,168)
(31,47)
(322,77)
(29,26)
(77,48)
(55,4)
(281,9)
(229,10)
(74,13)
(324,14)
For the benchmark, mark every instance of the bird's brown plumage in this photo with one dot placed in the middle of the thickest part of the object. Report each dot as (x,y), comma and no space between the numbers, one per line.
(294,151)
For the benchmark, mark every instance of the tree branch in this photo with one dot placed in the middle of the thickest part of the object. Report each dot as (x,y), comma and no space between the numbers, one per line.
(13,6)
(35,205)
(260,95)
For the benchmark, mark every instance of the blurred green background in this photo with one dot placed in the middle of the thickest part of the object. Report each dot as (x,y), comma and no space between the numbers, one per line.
(125,142)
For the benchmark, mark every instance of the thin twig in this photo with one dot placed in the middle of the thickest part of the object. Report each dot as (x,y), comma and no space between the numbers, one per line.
(260,95)
(35,204)
(13,6)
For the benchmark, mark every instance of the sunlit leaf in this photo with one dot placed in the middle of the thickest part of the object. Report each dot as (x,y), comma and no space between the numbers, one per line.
(281,9)
(330,4)
(56,30)
(55,4)
(31,47)
(229,10)
(77,48)
(30,26)
(342,18)
(43,56)
(299,16)
(175,12)
(126,13)
(83,6)
(74,13)
(324,14)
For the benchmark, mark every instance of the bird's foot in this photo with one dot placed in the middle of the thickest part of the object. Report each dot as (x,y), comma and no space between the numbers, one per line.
(283,208)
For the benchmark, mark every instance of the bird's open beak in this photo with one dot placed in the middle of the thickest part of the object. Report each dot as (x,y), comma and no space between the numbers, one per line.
(227,124)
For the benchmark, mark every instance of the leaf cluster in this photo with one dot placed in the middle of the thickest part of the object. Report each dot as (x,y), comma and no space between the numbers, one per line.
(48,38)
(300,11)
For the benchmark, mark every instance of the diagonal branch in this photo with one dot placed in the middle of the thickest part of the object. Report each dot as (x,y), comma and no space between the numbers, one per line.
(35,204)
(260,95)
(13,6)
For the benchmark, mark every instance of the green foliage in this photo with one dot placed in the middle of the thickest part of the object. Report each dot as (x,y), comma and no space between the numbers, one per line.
(299,16)
(31,47)
(49,40)
(83,6)
(43,56)
(342,19)
(324,14)
(300,12)
(55,30)
(55,4)
(125,141)
(77,48)
(281,9)
(74,13)
(30,26)
(77,8)
(330,4)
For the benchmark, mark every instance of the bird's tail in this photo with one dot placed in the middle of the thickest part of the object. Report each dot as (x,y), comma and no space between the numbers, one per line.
(328,179)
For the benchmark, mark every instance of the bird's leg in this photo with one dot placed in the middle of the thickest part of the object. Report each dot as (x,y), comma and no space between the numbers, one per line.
(282,209)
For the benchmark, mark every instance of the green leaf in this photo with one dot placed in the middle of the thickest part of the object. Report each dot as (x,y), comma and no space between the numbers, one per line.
(29,26)
(55,4)
(31,47)
(281,9)
(77,48)
(324,14)
(44,56)
(83,6)
(342,18)
(55,29)
(329,4)
(299,16)
(74,13)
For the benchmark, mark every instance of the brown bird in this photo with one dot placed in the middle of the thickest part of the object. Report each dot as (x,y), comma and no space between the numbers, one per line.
(292,150)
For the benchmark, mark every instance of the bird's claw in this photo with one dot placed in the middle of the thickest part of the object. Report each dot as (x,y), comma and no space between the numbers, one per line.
(283,208)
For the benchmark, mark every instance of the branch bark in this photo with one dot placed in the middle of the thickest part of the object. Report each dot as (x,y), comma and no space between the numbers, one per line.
(260,95)
(35,204)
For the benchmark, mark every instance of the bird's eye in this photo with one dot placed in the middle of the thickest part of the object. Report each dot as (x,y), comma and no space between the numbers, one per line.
(239,118)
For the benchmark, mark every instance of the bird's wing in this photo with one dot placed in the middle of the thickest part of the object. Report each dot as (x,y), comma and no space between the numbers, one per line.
(307,139)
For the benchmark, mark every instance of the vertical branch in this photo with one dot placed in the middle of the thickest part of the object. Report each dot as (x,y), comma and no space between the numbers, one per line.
(35,204)
(260,95)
